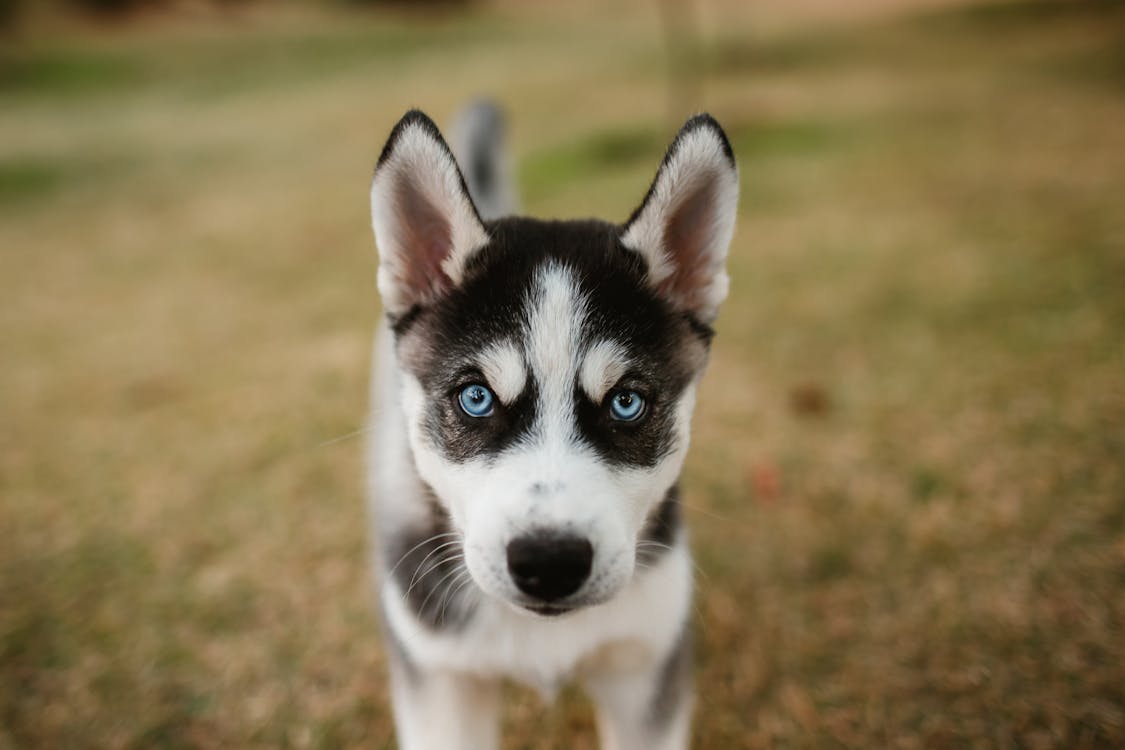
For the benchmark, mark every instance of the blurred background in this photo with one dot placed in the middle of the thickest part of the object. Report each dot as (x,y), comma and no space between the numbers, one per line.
(906,486)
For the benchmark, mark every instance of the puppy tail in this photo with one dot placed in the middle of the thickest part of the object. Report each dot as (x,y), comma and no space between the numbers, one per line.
(477,139)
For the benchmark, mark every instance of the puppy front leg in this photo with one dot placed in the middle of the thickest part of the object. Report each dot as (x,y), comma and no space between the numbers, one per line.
(646,708)
(438,710)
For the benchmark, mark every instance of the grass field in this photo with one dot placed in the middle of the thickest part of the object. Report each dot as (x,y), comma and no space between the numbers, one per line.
(906,486)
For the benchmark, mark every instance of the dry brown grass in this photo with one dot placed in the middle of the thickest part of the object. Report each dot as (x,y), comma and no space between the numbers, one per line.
(906,484)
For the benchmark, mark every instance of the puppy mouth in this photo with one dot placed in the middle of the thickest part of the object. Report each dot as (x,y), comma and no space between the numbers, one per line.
(548,610)
(558,608)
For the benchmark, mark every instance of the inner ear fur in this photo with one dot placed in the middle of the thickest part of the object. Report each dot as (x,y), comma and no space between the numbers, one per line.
(684,226)
(426,226)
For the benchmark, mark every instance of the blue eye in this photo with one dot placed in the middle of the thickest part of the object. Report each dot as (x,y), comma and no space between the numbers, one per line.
(476,400)
(626,406)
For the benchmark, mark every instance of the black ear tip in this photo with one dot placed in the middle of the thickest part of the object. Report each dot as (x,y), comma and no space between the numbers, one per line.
(413,118)
(704,121)
(416,117)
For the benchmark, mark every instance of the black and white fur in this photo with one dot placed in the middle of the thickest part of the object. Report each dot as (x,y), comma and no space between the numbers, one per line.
(478,519)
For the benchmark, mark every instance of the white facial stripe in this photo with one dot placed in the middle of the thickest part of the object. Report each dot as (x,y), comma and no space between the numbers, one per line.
(503,367)
(605,364)
(557,311)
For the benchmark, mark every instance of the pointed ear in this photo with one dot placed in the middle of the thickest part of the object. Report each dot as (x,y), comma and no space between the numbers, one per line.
(685,224)
(426,226)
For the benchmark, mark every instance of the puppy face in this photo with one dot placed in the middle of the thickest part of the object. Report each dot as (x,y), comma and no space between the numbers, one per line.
(548,369)
(590,381)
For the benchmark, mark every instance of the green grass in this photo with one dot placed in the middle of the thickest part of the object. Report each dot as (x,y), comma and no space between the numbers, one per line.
(21,180)
(220,62)
(65,72)
(35,180)
(587,157)
(906,489)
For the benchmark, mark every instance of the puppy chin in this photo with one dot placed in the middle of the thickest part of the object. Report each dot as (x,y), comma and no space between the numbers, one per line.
(561,609)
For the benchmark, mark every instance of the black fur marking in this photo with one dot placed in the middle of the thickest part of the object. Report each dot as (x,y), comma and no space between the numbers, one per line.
(673,683)
(659,532)
(665,347)
(412,117)
(401,323)
(428,565)
(701,329)
(664,356)
(462,437)
(702,120)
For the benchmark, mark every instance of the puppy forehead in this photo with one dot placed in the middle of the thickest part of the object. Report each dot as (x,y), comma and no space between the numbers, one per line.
(555,344)
(556,314)
(537,304)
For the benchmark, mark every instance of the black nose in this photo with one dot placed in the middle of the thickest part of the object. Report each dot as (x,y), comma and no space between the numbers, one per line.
(549,566)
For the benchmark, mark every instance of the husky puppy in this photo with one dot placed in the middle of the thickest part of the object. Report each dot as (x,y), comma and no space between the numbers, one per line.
(534,386)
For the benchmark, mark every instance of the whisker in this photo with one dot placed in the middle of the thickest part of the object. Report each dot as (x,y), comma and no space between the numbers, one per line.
(649,543)
(345,436)
(427,540)
(716,516)
(439,548)
(453,591)
(447,576)
(437,564)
